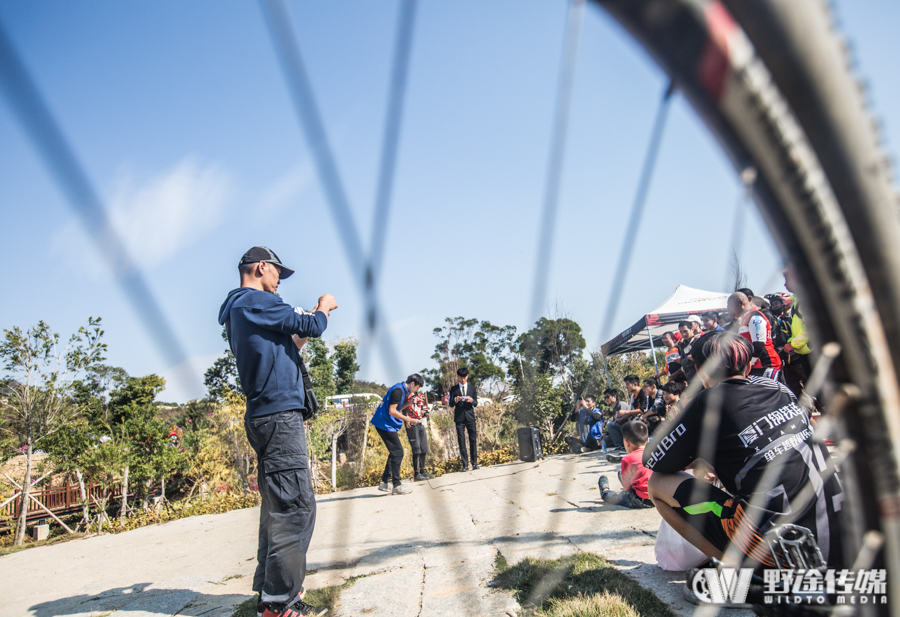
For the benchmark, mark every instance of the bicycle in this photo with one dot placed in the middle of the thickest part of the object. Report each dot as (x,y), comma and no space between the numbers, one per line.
(771,80)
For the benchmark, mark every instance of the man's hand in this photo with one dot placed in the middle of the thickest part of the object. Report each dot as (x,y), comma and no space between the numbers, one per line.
(326,304)
(703,471)
(413,421)
(788,348)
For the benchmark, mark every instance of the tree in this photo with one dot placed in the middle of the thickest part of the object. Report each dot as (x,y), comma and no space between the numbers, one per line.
(133,419)
(196,415)
(480,346)
(137,392)
(321,370)
(325,430)
(633,363)
(222,377)
(539,402)
(369,386)
(141,435)
(553,347)
(589,376)
(66,448)
(92,392)
(103,461)
(228,438)
(40,387)
(345,366)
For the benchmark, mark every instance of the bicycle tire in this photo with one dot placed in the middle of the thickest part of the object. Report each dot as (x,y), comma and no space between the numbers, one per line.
(771,80)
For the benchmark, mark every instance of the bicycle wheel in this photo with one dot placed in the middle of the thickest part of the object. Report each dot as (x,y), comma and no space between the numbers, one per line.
(771,80)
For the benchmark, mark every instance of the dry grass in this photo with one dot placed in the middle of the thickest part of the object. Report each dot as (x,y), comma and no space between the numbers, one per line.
(326,596)
(8,548)
(604,603)
(582,585)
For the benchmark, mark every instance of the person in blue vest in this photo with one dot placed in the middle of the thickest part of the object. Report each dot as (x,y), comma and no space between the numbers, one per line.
(388,420)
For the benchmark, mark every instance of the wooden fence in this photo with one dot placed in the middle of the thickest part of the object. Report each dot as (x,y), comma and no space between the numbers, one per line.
(61,500)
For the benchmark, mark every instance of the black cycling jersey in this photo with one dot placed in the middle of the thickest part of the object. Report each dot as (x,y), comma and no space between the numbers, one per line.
(756,422)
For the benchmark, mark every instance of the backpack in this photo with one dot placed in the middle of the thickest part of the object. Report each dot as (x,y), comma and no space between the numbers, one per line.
(596,430)
(781,333)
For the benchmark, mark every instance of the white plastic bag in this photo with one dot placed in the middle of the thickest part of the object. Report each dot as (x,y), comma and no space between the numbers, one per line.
(674,553)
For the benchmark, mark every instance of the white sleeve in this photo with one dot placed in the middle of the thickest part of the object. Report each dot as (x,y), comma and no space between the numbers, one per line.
(757,328)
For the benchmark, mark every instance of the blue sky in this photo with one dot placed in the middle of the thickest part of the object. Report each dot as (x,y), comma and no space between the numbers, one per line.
(180,116)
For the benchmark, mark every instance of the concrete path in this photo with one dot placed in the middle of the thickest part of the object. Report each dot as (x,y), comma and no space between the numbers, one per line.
(427,554)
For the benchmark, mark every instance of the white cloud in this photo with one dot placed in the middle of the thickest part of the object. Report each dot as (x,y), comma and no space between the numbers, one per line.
(157,218)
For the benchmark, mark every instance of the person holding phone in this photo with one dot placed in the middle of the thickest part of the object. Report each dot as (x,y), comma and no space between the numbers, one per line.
(418,435)
(388,419)
(464,400)
(264,334)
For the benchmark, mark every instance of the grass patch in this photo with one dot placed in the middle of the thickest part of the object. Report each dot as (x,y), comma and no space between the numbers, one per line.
(216,504)
(326,596)
(246,608)
(582,585)
(500,562)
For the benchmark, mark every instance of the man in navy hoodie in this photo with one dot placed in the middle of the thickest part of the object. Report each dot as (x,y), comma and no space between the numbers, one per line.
(265,335)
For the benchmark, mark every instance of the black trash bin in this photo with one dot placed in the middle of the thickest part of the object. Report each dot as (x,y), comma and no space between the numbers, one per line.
(529,444)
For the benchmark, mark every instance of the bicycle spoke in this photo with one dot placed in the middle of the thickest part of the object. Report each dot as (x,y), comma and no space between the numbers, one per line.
(287,48)
(637,210)
(557,154)
(384,192)
(387,172)
(389,148)
(35,116)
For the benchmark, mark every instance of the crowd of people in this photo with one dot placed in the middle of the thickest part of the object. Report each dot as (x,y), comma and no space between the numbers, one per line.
(697,447)
(722,449)
(774,327)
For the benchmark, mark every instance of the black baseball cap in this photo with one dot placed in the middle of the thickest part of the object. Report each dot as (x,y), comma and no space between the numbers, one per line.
(261,253)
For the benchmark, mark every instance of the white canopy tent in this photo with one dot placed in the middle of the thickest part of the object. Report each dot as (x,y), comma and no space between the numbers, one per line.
(647,332)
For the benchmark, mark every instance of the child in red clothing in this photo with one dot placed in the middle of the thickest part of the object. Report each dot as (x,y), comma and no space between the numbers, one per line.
(634,475)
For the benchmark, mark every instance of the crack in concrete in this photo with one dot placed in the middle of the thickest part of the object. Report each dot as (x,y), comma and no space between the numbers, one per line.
(422,595)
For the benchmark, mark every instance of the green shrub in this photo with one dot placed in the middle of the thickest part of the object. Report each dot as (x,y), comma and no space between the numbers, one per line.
(217,504)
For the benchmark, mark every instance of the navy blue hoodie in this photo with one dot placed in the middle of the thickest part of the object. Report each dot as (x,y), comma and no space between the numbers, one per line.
(259,326)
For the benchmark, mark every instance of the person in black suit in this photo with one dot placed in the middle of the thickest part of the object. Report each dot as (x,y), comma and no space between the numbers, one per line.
(464,399)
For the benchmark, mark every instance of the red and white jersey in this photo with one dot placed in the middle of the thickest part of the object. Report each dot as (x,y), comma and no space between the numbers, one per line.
(756,328)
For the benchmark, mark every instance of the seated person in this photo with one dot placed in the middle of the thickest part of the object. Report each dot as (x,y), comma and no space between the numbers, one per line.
(755,423)
(672,396)
(613,438)
(585,417)
(655,408)
(633,475)
(673,357)
(636,391)
(631,411)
